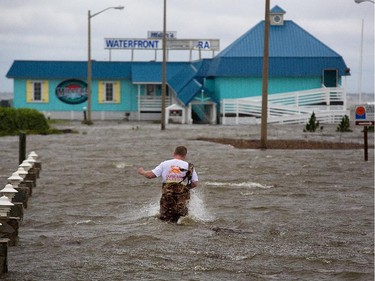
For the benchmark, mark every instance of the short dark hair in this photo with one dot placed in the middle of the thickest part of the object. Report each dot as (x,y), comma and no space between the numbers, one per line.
(180,150)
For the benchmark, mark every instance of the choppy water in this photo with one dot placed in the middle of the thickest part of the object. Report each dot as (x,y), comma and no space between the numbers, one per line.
(257,215)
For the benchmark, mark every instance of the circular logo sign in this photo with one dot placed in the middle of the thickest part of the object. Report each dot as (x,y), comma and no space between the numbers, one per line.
(72,91)
(360,110)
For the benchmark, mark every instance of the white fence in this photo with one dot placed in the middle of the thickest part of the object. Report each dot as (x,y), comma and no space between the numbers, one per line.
(149,108)
(151,104)
(329,105)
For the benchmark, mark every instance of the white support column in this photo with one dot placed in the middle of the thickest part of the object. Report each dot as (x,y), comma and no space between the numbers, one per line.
(222,110)
(344,94)
(189,119)
(237,112)
(139,102)
(214,114)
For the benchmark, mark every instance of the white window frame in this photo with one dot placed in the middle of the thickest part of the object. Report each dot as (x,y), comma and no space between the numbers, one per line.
(34,93)
(105,91)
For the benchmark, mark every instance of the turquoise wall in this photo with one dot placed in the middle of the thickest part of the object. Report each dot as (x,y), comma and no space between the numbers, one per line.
(209,83)
(230,88)
(128,93)
(220,87)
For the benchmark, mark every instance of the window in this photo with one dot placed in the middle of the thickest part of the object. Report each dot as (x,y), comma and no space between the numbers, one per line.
(150,90)
(37,91)
(109,93)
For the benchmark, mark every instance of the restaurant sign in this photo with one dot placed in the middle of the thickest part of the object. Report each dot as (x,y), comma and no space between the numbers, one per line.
(159,34)
(72,91)
(156,44)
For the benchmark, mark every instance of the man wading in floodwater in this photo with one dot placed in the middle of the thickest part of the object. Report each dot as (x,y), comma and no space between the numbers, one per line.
(178,178)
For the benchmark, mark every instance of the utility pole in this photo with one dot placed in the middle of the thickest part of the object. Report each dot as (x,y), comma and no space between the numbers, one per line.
(263,132)
(164,68)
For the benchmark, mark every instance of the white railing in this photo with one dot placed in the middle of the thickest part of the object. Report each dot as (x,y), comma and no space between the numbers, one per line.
(149,108)
(321,116)
(151,104)
(329,105)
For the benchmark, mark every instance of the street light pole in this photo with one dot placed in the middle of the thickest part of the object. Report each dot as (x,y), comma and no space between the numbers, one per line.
(361,55)
(89,75)
(263,132)
(164,68)
(361,65)
(89,66)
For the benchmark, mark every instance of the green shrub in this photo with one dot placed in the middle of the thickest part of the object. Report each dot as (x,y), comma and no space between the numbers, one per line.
(8,122)
(344,125)
(313,124)
(31,121)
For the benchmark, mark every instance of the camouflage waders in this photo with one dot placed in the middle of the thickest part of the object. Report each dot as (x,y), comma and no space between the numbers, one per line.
(175,198)
(174,201)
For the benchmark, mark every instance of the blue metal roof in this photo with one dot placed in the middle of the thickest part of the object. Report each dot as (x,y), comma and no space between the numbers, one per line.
(22,69)
(146,72)
(187,93)
(202,67)
(183,77)
(288,43)
(111,70)
(277,10)
(288,40)
(151,72)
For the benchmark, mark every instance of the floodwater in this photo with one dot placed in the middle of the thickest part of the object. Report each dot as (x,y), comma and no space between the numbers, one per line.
(257,214)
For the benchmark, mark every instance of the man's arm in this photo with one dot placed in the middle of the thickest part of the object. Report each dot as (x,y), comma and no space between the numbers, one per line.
(146,174)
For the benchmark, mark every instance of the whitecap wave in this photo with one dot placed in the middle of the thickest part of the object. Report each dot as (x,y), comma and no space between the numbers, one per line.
(151,210)
(197,207)
(239,185)
(123,165)
(197,210)
(90,222)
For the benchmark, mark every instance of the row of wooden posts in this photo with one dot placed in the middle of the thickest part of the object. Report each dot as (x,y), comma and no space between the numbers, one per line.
(14,199)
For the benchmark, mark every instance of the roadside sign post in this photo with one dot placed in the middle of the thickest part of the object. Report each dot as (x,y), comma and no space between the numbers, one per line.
(365,129)
(364,116)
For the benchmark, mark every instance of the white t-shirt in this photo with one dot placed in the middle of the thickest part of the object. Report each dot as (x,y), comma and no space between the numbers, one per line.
(173,170)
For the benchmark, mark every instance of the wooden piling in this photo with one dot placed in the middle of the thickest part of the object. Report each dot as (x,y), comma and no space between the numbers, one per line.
(16,210)
(29,184)
(31,176)
(38,168)
(3,255)
(9,229)
(22,147)
(22,196)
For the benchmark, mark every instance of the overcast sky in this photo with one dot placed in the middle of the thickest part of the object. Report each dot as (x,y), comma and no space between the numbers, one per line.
(57,30)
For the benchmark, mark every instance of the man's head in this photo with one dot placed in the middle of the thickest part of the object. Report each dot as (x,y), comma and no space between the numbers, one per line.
(180,151)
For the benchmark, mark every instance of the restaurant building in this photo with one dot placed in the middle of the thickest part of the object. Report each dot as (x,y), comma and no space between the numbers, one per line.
(202,91)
